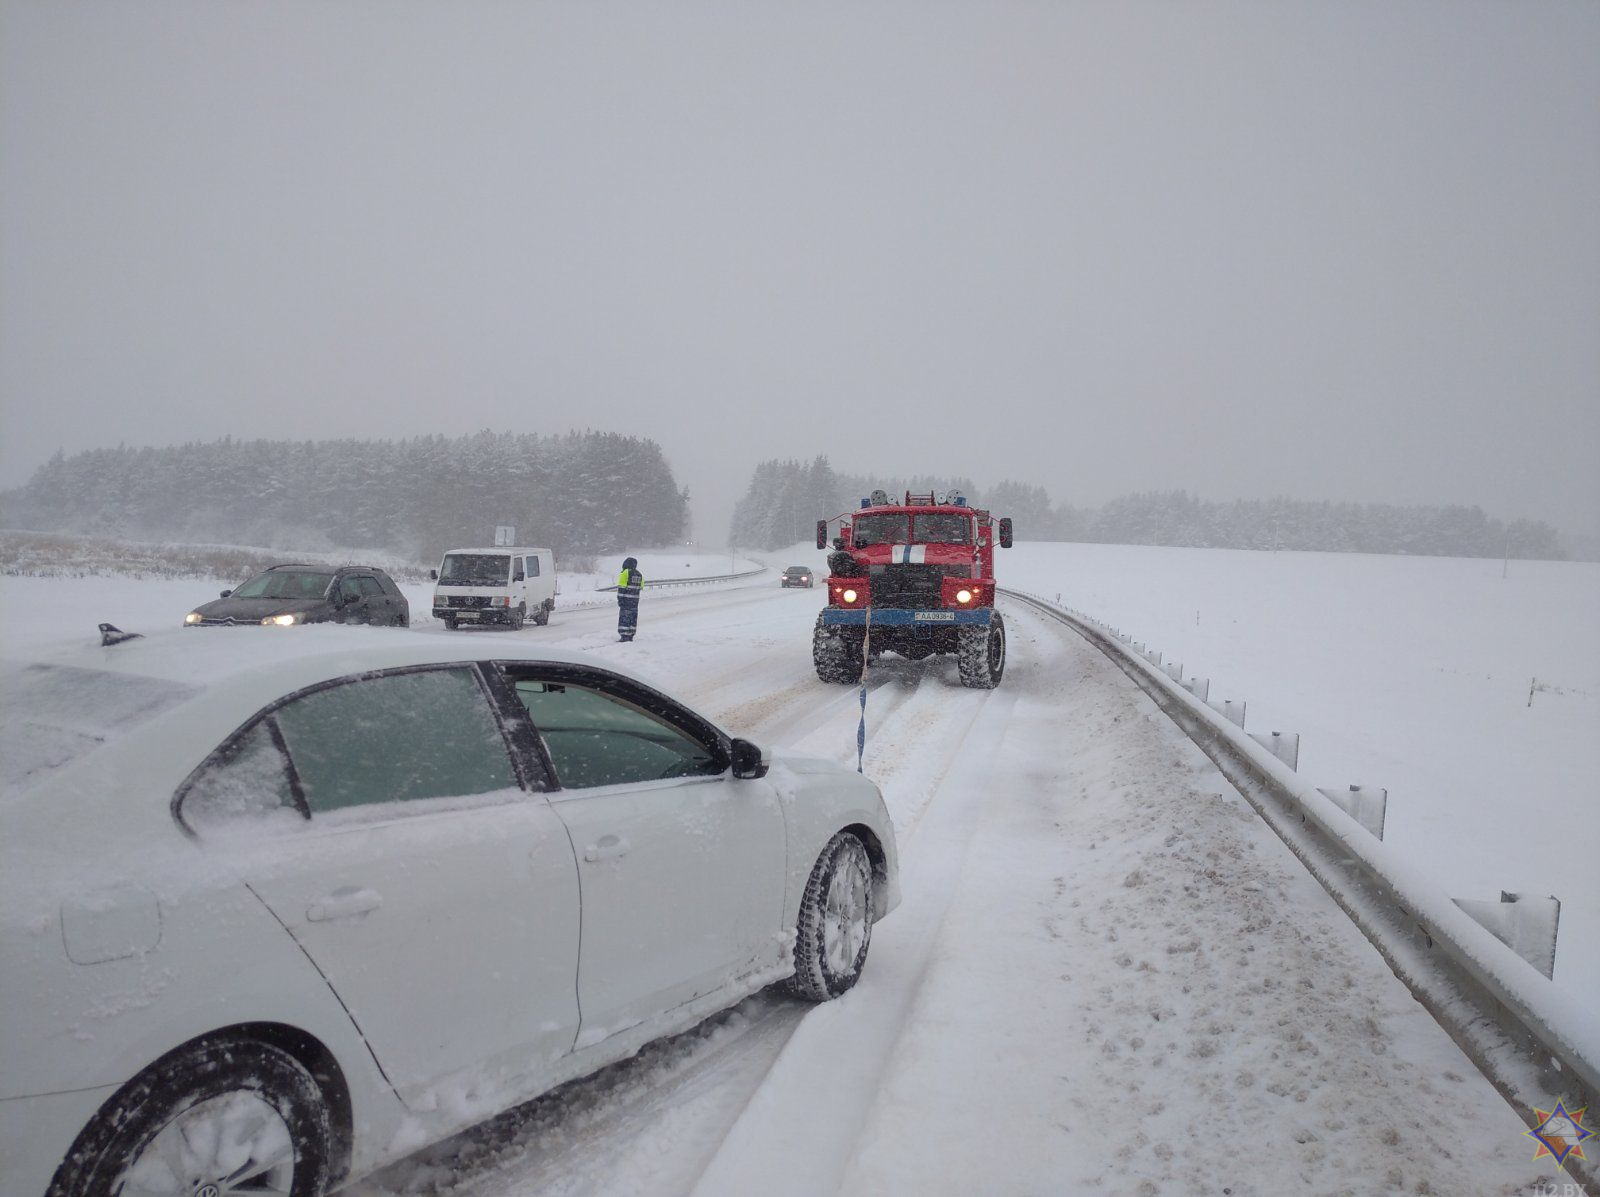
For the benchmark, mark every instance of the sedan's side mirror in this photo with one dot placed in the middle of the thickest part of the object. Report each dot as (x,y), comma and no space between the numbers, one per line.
(433,575)
(749,760)
(225,594)
(1005,532)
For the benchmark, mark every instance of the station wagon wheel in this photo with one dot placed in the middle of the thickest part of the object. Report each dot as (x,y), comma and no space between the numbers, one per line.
(834,929)
(223,1117)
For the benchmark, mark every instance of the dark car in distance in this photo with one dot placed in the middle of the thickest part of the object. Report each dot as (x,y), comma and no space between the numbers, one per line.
(798,575)
(285,595)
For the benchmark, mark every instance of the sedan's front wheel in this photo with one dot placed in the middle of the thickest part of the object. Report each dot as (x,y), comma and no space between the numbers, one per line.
(220,1117)
(835,925)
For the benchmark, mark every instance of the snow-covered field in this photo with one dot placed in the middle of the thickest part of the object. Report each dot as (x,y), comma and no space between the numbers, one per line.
(1406,672)
(1106,975)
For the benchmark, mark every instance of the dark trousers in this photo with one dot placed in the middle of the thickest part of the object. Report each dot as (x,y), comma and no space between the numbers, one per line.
(627,615)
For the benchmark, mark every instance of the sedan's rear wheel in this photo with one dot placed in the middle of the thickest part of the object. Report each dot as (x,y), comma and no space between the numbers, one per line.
(834,929)
(222,1117)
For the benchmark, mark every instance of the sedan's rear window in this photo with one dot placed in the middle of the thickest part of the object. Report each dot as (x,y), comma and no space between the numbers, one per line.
(51,715)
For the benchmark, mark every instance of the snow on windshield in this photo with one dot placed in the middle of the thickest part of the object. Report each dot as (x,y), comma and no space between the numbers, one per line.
(51,715)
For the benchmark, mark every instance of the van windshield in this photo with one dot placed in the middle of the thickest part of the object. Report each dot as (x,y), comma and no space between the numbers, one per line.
(475,569)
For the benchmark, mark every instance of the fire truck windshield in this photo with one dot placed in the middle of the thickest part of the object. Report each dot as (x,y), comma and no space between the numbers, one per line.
(888,527)
(896,527)
(941,527)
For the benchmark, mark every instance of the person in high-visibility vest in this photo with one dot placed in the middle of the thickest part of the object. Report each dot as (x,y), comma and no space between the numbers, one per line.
(629,583)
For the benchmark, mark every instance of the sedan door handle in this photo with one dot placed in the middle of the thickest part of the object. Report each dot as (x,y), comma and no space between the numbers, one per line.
(608,847)
(346,902)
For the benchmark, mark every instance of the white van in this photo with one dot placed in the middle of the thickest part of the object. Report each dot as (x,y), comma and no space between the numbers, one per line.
(499,585)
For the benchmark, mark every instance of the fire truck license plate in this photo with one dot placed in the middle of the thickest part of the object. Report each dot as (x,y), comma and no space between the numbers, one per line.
(935,616)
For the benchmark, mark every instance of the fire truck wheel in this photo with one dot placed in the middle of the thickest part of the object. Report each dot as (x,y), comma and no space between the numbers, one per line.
(836,654)
(981,654)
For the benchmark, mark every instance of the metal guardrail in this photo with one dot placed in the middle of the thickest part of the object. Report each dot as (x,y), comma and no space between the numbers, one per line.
(649,585)
(1534,1043)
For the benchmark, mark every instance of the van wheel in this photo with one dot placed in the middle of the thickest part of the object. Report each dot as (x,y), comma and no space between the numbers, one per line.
(519,618)
(449,622)
(541,615)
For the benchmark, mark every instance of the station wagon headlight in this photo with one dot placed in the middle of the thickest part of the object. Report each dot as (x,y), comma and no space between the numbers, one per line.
(963,596)
(282,621)
(191,619)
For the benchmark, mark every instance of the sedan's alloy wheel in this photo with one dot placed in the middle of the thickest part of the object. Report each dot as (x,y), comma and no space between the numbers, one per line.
(221,1117)
(225,1146)
(835,924)
(845,923)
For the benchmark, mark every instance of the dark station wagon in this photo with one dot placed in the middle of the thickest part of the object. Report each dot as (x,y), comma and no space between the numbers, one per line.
(285,595)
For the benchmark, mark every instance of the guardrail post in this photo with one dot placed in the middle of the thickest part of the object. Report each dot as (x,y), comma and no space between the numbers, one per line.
(1367,806)
(1153,657)
(1283,745)
(1200,687)
(1175,671)
(1525,925)
(1230,710)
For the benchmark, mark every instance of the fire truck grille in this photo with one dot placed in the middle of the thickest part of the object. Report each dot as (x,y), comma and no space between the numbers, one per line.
(907,586)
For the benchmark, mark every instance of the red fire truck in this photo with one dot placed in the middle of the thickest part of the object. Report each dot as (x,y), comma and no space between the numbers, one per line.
(914,578)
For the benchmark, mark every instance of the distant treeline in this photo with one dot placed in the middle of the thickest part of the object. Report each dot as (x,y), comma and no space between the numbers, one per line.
(787,498)
(585,493)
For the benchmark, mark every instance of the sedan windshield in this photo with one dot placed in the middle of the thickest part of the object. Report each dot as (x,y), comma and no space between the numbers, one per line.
(286,584)
(475,569)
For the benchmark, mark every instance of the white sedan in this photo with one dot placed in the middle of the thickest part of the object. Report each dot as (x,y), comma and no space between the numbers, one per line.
(276,910)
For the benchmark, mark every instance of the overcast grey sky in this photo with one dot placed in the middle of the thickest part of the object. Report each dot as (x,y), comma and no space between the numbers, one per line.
(1330,250)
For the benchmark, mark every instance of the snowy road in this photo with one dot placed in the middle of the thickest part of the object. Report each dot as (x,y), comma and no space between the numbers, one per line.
(1106,976)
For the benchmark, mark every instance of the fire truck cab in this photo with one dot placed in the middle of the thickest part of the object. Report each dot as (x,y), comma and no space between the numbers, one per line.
(913,578)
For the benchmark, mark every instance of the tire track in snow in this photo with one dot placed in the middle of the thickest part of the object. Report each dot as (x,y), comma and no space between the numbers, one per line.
(842,1048)
(654,1123)
(621,1130)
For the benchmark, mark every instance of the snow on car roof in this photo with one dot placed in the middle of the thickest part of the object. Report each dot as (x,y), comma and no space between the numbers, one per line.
(500,548)
(59,704)
(202,657)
